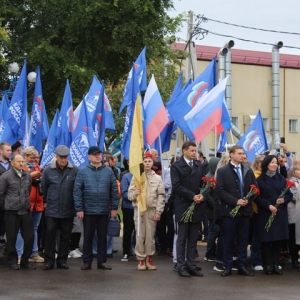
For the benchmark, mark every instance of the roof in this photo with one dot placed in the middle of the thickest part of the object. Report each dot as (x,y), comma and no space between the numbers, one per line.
(244,56)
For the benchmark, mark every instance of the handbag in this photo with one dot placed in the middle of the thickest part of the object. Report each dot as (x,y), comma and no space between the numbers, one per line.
(114,227)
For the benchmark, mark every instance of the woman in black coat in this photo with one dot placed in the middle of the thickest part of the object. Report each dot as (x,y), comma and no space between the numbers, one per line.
(271,184)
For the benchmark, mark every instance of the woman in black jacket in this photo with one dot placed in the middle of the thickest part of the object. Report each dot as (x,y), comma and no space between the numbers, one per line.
(271,184)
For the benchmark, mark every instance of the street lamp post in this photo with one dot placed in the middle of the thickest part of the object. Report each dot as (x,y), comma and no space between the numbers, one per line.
(13,76)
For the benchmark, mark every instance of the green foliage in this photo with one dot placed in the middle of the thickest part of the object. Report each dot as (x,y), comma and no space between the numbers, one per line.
(76,39)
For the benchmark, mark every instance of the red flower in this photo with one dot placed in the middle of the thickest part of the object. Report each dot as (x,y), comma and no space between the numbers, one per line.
(290,184)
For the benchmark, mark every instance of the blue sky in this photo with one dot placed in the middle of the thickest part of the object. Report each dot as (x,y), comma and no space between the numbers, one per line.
(275,15)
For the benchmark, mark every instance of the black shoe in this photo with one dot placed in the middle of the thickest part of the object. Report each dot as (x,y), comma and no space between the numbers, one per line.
(226,272)
(47,267)
(104,266)
(86,266)
(62,266)
(175,268)
(245,272)
(195,273)
(109,255)
(209,257)
(27,266)
(268,270)
(15,267)
(115,251)
(198,268)
(277,271)
(183,272)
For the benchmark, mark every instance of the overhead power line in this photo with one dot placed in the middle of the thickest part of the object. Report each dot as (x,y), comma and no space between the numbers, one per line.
(249,27)
(246,40)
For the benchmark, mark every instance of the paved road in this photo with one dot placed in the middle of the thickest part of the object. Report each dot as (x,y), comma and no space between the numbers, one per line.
(125,282)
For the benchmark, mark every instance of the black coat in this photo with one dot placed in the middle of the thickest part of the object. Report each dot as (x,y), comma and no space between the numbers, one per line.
(186,183)
(228,189)
(270,189)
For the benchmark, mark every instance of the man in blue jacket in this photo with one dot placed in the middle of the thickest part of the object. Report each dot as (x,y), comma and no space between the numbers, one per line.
(96,198)
(57,186)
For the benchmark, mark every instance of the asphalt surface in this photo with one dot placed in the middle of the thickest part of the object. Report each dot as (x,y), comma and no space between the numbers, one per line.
(124,281)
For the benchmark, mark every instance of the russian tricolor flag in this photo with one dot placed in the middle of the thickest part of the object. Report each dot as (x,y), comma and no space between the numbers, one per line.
(208,112)
(156,117)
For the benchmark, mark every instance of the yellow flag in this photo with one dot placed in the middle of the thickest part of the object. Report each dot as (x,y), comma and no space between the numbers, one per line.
(136,153)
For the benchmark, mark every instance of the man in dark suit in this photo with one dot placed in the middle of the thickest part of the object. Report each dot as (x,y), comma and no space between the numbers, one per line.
(186,181)
(233,184)
(5,153)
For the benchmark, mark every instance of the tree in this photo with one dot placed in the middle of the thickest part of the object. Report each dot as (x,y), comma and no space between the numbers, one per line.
(76,39)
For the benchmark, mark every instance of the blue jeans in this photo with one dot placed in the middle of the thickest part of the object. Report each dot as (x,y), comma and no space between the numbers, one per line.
(36,218)
(110,244)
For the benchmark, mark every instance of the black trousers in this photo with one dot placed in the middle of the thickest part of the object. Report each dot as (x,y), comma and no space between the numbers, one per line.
(271,252)
(13,224)
(293,248)
(91,223)
(165,229)
(187,244)
(128,229)
(2,222)
(65,226)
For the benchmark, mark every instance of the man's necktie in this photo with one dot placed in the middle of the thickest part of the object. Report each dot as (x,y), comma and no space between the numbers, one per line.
(191,164)
(239,174)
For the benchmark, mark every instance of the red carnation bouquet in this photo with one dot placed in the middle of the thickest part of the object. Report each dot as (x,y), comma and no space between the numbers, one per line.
(188,214)
(254,191)
(289,184)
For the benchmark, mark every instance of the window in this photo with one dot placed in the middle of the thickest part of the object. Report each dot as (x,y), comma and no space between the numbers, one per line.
(266,124)
(235,121)
(293,125)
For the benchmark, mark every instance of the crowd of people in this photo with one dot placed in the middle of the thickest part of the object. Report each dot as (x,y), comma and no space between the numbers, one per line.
(230,203)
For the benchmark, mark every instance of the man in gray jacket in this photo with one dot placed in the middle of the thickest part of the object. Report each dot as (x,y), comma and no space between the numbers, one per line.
(57,185)
(96,197)
(15,186)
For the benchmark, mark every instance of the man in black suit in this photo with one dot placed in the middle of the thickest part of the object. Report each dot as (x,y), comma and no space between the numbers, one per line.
(186,181)
(233,184)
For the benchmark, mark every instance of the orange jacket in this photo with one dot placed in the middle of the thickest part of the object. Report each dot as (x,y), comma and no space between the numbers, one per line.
(36,200)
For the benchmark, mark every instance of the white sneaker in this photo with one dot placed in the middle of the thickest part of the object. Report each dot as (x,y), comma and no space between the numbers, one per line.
(125,258)
(280,267)
(258,268)
(74,254)
(78,251)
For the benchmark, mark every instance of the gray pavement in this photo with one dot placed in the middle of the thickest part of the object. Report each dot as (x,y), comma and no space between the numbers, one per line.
(124,281)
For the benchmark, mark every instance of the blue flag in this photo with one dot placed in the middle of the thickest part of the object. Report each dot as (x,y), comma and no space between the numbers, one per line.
(48,152)
(98,121)
(16,115)
(82,139)
(223,139)
(134,90)
(141,73)
(37,115)
(45,122)
(254,141)
(92,98)
(189,97)
(65,124)
(6,133)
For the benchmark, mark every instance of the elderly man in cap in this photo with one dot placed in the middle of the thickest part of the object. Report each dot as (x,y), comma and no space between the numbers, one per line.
(57,186)
(96,198)
(15,186)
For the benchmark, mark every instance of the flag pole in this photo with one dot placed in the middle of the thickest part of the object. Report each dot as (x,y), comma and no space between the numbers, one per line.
(231,137)
(138,220)
(215,141)
(160,150)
